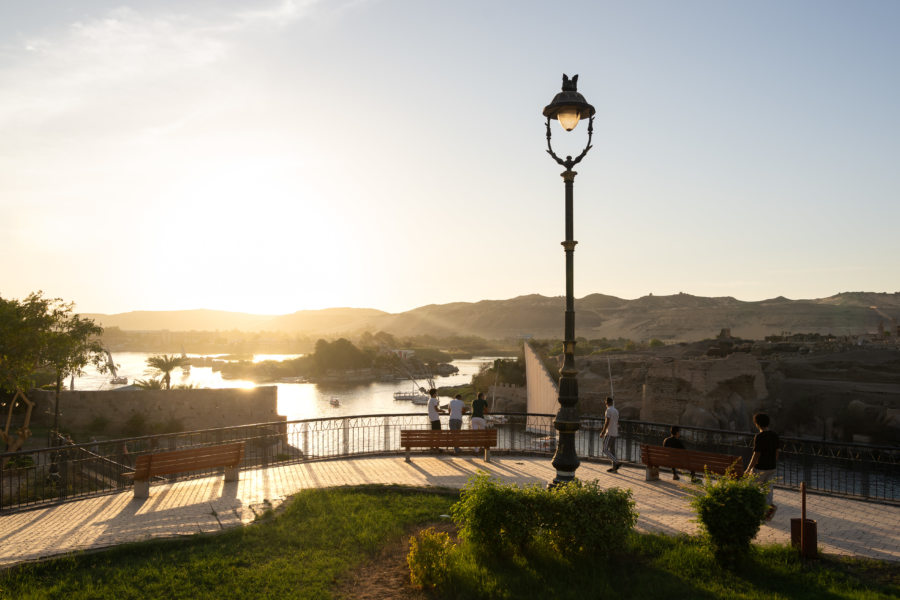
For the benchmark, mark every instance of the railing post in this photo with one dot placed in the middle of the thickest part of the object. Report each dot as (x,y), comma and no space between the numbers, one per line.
(304,438)
(387,434)
(591,433)
(346,431)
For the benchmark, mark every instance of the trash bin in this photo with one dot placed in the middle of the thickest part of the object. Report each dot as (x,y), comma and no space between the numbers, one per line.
(810,537)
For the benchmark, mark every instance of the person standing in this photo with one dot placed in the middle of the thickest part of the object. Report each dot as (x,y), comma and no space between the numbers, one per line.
(457,408)
(609,433)
(434,413)
(674,441)
(479,407)
(763,462)
(434,410)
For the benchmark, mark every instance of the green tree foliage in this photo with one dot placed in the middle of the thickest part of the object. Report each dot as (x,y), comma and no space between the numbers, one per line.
(23,328)
(72,342)
(511,372)
(164,365)
(44,333)
(340,355)
(149,384)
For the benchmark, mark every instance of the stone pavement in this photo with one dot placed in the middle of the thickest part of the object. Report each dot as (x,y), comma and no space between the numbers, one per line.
(847,527)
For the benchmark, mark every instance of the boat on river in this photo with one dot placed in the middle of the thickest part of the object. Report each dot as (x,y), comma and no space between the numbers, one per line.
(334,401)
(414,396)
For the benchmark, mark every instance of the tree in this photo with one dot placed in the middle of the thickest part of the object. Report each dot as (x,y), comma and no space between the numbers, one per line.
(149,384)
(43,333)
(165,364)
(22,327)
(72,342)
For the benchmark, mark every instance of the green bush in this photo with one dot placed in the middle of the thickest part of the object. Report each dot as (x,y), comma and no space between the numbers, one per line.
(730,511)
(583,518)
(429,558)
(504,519)
(493,517)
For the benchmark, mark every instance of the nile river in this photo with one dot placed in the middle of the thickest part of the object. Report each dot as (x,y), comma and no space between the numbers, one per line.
(295,400)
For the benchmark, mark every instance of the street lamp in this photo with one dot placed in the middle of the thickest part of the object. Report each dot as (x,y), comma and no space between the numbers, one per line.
(568,107)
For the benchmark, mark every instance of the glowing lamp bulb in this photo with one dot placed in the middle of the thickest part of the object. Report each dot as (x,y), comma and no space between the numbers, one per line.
(568,118)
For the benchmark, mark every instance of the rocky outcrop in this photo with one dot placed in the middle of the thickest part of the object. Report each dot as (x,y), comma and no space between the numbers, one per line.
(717,393)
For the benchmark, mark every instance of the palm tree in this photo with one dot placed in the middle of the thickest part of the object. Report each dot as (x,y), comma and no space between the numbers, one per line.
(149,384)
(165,364)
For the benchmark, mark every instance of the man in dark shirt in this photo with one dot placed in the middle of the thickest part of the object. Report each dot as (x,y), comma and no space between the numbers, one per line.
(674,441)
(763,462)
(479,407)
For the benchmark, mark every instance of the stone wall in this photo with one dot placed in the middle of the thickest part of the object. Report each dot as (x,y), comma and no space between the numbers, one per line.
(188,409)
(718,393)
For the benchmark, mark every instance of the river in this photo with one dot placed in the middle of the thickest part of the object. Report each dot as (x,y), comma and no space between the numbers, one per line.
(295,400)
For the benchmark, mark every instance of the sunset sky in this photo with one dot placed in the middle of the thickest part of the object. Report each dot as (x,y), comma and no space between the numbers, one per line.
(273,156)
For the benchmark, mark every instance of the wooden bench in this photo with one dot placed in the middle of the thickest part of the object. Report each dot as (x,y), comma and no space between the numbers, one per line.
(656,457)
(457,438)
(181,461)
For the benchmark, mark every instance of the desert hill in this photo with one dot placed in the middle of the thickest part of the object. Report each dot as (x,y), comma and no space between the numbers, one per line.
(678,317)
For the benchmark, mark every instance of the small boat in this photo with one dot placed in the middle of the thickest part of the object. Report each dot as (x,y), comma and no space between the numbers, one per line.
(414,396)
(111,365)
(334,401)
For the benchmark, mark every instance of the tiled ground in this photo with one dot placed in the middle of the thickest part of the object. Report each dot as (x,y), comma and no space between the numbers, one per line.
(846,527)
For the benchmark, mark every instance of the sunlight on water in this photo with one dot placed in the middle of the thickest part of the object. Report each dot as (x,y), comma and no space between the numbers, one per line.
(295,400)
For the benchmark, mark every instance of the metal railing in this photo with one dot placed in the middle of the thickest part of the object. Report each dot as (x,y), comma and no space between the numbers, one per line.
(49,475)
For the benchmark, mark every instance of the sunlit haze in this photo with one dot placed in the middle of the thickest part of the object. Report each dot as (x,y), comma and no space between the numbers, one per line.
(269,157)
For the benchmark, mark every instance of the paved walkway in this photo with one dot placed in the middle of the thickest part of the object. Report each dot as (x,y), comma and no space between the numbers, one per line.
(846,527)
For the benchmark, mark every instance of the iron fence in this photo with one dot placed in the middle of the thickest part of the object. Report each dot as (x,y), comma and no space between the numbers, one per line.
(68,471)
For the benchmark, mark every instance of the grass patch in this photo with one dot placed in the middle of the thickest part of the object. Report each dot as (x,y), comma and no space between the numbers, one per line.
(298,553)
(657,566)
(321,536)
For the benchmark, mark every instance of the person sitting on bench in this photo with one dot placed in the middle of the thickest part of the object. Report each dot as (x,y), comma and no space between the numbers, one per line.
(674,441)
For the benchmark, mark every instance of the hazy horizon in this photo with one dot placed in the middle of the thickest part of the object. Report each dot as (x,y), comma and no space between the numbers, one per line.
(270,156)
(336,308)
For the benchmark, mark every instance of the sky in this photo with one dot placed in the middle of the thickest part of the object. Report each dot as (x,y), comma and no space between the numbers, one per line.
(280,155)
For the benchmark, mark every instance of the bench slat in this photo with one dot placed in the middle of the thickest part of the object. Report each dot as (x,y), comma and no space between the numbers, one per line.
(414,438)
(655,457)
(189,459)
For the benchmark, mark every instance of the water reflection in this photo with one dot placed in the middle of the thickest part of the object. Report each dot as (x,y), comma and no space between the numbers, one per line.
(295,400)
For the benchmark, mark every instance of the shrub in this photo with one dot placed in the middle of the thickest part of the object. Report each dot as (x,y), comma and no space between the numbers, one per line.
(582,517)
(730,511)
(577,517)
(493,517)
(429,558)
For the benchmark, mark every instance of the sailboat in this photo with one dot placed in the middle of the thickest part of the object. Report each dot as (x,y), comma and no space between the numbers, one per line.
(186,366)
(116,378)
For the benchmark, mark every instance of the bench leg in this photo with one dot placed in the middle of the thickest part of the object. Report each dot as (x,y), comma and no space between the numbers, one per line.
(142,488)
(652,474)
(408,453)
(487,454)
(231,473)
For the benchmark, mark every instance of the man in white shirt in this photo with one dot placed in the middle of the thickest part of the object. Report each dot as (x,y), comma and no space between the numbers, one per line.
(434,412)
(457,408)
(609,433)
(434,409)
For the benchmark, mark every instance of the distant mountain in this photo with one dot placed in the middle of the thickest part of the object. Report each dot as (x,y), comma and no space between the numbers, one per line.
(680,317)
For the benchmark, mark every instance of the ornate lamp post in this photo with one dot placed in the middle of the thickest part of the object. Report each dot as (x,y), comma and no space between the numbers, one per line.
(568,107)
